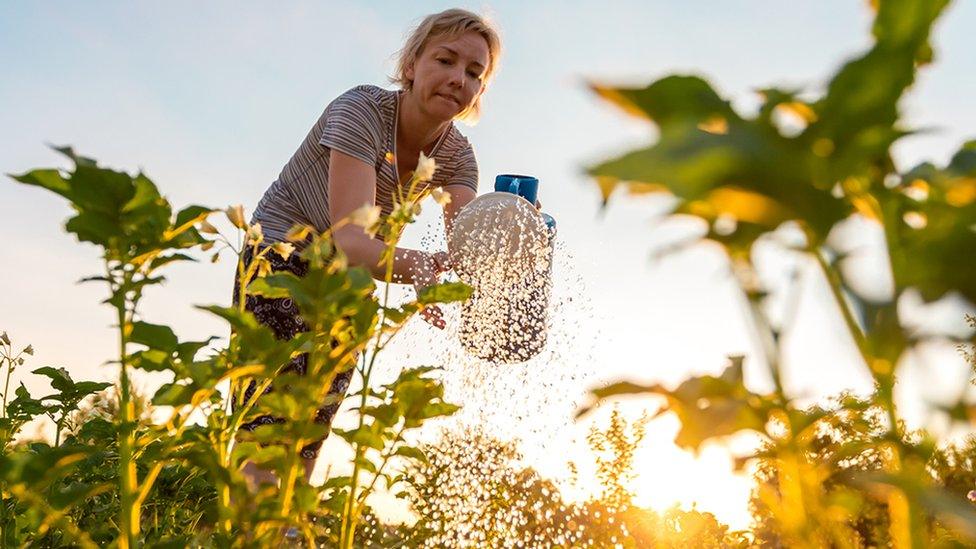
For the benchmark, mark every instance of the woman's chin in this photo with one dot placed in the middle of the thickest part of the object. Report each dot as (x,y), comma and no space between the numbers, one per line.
(444,113)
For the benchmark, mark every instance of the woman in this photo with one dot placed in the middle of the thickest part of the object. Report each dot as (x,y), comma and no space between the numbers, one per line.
(366,144)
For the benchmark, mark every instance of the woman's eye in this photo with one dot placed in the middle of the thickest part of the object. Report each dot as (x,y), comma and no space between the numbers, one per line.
(444,62)
(473,75)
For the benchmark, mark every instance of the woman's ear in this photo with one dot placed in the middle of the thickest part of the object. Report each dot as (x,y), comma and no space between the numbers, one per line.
(408,71)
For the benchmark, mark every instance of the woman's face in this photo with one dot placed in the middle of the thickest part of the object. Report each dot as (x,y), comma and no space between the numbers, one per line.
(447,74)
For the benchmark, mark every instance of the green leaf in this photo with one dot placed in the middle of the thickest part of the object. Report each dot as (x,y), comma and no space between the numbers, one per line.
(261,287)
(366,437)
(173,394)
(95,227)
(448,292)
(49,179)
(670,99)
(412,453)
(85,388)
(164,260)
(24,407)
(192,215)
(154,336)
(146,194)
(861,104)
(60,378)
(79,160)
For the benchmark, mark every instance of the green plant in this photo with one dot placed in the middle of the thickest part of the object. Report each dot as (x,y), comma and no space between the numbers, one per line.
(138,234)
(745,177)
(614,449)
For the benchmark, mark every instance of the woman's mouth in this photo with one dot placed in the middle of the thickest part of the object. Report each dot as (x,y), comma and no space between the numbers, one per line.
(449,98)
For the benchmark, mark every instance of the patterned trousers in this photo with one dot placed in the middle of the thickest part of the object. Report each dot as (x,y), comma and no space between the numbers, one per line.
(284,319)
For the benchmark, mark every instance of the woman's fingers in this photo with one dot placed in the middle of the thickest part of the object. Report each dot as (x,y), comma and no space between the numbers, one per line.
(434,316)
(442,261)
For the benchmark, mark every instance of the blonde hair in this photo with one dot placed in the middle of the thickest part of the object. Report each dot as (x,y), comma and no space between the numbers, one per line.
(449,23)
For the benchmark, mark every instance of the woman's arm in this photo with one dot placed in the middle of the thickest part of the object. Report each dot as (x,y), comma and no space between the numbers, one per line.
(460,196)
(352,184)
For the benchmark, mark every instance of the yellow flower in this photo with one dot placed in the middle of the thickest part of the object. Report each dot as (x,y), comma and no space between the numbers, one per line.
(236,215)
(389,157)
(441,196)
(365,216)
(283,249)
(425,168)
(254,234)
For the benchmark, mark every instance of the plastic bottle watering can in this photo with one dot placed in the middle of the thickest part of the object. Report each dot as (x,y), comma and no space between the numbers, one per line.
(503,246)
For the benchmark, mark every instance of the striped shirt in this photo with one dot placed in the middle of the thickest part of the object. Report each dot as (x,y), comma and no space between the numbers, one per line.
(361,123)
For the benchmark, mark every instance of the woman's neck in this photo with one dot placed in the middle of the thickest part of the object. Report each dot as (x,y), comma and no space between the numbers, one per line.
(416,131)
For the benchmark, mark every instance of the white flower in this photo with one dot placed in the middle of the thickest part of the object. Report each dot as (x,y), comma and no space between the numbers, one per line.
(365,216)
(441,196)
(254,234)
(283,249)
(425,168)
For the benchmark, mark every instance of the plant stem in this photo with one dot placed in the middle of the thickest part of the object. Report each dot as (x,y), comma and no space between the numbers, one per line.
(129,519)
(386,459)
(6,385)
(350,514)
(835,284)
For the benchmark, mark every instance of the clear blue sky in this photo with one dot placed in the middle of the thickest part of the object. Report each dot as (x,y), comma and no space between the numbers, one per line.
(212,98)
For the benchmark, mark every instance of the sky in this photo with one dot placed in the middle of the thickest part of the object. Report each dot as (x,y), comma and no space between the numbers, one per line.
(211,99)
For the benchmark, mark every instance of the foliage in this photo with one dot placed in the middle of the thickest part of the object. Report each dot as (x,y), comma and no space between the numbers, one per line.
(808,165)
(120,477)
(474,491)
(615,449)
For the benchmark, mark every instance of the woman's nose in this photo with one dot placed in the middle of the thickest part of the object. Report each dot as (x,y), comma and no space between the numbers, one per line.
(457,77)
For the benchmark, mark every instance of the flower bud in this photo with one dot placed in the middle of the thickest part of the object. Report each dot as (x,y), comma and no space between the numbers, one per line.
(254,234)
(236,216)
(425,168)
(207,228)
(441,196)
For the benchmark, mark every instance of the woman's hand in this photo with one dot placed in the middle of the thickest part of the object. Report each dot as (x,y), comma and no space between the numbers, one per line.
(427,274)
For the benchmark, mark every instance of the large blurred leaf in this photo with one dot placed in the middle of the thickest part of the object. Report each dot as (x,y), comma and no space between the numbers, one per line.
(707,406)
(747,170)
(857,117)
(932,217)
(673,98)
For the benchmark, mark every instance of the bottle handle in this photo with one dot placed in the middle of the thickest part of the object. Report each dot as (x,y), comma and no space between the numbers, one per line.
(513,185)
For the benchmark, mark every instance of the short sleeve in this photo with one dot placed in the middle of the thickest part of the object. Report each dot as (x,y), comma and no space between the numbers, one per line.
(353,126)
(465,169)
